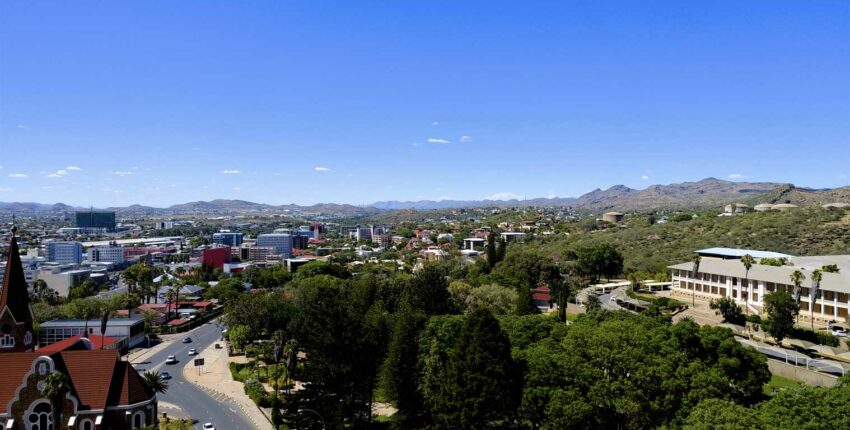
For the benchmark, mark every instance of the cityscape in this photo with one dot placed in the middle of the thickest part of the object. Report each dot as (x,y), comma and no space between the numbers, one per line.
(424,215)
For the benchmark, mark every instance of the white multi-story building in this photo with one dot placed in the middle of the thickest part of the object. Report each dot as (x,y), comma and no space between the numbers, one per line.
(107,254)
(281,242)
(722,274)
(65,252)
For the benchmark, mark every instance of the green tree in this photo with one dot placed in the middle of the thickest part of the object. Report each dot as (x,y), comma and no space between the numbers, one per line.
(696,260)
(797,278)
(483,385)
(400,372)
(817,276)
(592,303)
(717,414)
(55,388)
(85,289)
(42,293)
(781,310)
(492,253)
(598,261)
(493,297)
(239,335)
(728,309)
(154,380)
(747,260)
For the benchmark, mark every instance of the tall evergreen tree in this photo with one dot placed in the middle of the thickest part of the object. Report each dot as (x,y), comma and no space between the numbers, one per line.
(502,250)
(484,383)
(492,257)
(400,373)
(525,302)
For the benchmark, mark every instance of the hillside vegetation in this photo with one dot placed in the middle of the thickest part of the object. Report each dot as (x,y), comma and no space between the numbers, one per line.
(652,247)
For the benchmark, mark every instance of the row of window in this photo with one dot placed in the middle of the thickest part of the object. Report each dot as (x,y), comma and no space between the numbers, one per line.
(41,418)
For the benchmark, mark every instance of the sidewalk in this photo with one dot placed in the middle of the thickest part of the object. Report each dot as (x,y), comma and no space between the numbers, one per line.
(215,377)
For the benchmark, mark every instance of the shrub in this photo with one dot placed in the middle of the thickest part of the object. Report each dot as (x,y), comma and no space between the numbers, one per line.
(254,389)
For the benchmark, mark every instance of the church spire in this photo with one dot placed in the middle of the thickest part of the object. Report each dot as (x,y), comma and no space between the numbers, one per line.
(16,317)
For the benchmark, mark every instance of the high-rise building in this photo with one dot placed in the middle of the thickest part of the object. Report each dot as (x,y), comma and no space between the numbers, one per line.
(96,220)
(300,240)
(281,242)
(65,252)
(227,238)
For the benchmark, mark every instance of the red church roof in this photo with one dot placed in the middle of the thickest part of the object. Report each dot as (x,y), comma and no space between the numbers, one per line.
(71,343)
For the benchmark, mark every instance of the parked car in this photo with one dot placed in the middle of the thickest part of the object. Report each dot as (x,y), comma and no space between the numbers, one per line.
(171,359)
(165,375)
(839,332)
(193,351)
(208,426)
(187,339)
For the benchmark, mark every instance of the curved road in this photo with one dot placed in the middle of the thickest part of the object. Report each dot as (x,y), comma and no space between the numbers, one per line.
(195,402)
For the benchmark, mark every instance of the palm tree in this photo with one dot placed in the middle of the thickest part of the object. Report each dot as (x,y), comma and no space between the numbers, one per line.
(155,382)
(797,278)
(55,388)
(697,258)
(816,278)
(747,260)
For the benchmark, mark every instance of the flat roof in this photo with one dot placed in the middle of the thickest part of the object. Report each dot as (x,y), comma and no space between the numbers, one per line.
(736,252)
(116,322)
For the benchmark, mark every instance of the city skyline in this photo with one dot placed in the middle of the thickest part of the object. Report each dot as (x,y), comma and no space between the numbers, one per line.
(163,103)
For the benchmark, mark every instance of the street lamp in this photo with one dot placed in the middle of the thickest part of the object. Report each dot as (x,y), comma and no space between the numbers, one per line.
(317,414)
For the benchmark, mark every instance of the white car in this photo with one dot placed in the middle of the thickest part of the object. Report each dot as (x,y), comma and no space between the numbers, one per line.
(839,332)
(171,359)
(209,426)
(193,351)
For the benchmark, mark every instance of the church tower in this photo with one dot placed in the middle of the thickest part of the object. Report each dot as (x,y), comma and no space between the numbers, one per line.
(16,317)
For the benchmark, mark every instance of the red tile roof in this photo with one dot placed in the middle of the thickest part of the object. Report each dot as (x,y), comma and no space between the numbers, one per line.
(177,322)
(98,377)
(98,342)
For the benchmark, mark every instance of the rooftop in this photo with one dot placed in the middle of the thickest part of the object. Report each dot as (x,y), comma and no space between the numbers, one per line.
(738,253)
(116,322)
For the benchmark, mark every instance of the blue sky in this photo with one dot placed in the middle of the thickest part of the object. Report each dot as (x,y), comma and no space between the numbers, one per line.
(113,103)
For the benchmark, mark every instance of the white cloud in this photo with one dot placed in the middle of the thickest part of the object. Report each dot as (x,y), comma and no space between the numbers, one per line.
(134,168)
(53,175)
(644,177)
(123,173)
(465,138)
(434,140)
(503,196)
(435,123)
(230,172)
(5,190)
(73,168)
(21,126)
(236,188)
(736,176)
(1,167)
(19,175)
(321,169)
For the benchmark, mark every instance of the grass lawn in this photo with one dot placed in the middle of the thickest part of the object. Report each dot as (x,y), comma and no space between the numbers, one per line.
(778,383)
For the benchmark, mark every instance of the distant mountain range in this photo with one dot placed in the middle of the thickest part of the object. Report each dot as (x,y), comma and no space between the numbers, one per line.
(213,207)
(709,192)
(705,193)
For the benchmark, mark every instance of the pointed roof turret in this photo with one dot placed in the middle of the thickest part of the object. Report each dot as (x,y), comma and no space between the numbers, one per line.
(14,294)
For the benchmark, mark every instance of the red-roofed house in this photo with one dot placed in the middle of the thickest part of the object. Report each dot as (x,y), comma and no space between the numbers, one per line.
(542,297)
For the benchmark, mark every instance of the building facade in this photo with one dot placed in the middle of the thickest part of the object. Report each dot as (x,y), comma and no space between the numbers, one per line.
(96,220)
(107,254)
(227,238)
(281,242)
(65,252)
(722,274)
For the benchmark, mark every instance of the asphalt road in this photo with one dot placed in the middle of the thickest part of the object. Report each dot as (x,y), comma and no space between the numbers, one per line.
(195,402)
